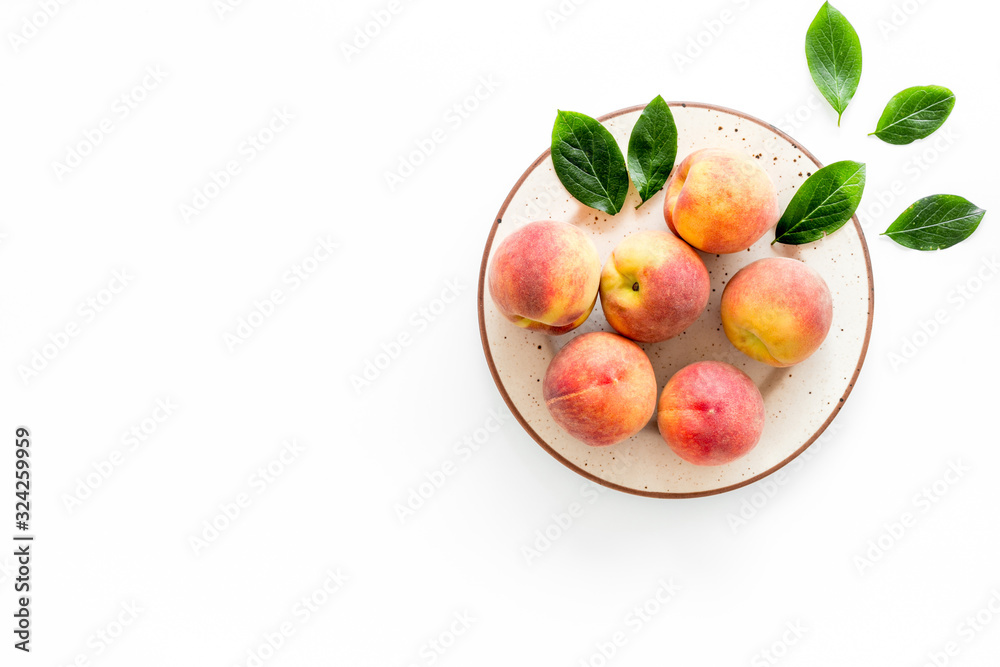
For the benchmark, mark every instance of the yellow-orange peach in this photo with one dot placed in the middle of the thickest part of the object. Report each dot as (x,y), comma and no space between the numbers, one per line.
(600,388)
(777,310)
(720,201)
(653,287)
(545,276)
(710,413)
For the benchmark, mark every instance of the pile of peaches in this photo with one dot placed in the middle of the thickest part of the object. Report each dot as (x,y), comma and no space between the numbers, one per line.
(600,387)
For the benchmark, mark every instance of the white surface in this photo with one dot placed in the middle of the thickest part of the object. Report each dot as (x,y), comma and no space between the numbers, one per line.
(333,506)
(798,401)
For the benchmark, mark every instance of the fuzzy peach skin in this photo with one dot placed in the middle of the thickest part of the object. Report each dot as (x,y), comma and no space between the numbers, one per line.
(777,310)
(653,287)
(545,276)
(720,201)
(710,413)
(600,388)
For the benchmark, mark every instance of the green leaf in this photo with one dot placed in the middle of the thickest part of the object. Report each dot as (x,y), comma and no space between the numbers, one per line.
(589,162)
(822,204)
(833,52)
(915,113)
(935,222)
(652,148)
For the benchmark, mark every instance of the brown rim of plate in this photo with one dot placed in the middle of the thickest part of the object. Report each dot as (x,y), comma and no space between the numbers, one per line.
(625,489)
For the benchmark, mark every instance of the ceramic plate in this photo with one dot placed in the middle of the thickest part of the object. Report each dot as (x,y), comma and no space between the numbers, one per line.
(800,401)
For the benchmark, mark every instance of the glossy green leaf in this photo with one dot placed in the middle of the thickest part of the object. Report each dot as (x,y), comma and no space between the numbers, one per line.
(833,52)
(589,162)
(915,113)
(936,222)
(823,203)
(652,148)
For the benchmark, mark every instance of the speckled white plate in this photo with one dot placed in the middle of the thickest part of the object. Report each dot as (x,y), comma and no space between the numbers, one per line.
(801,401)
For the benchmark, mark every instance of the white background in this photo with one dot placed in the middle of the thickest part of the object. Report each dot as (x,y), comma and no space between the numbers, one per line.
(793,559)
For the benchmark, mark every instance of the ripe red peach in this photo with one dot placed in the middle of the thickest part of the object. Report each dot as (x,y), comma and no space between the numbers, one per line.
(720,201)
(600,388)
(545,276)
(653,287)
(710,413)
(777,310)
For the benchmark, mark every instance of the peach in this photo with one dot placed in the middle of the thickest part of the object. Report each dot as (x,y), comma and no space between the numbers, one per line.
(600,388)
(720,201)
(710,413)
(777,310)
(545,276)
(653,286)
